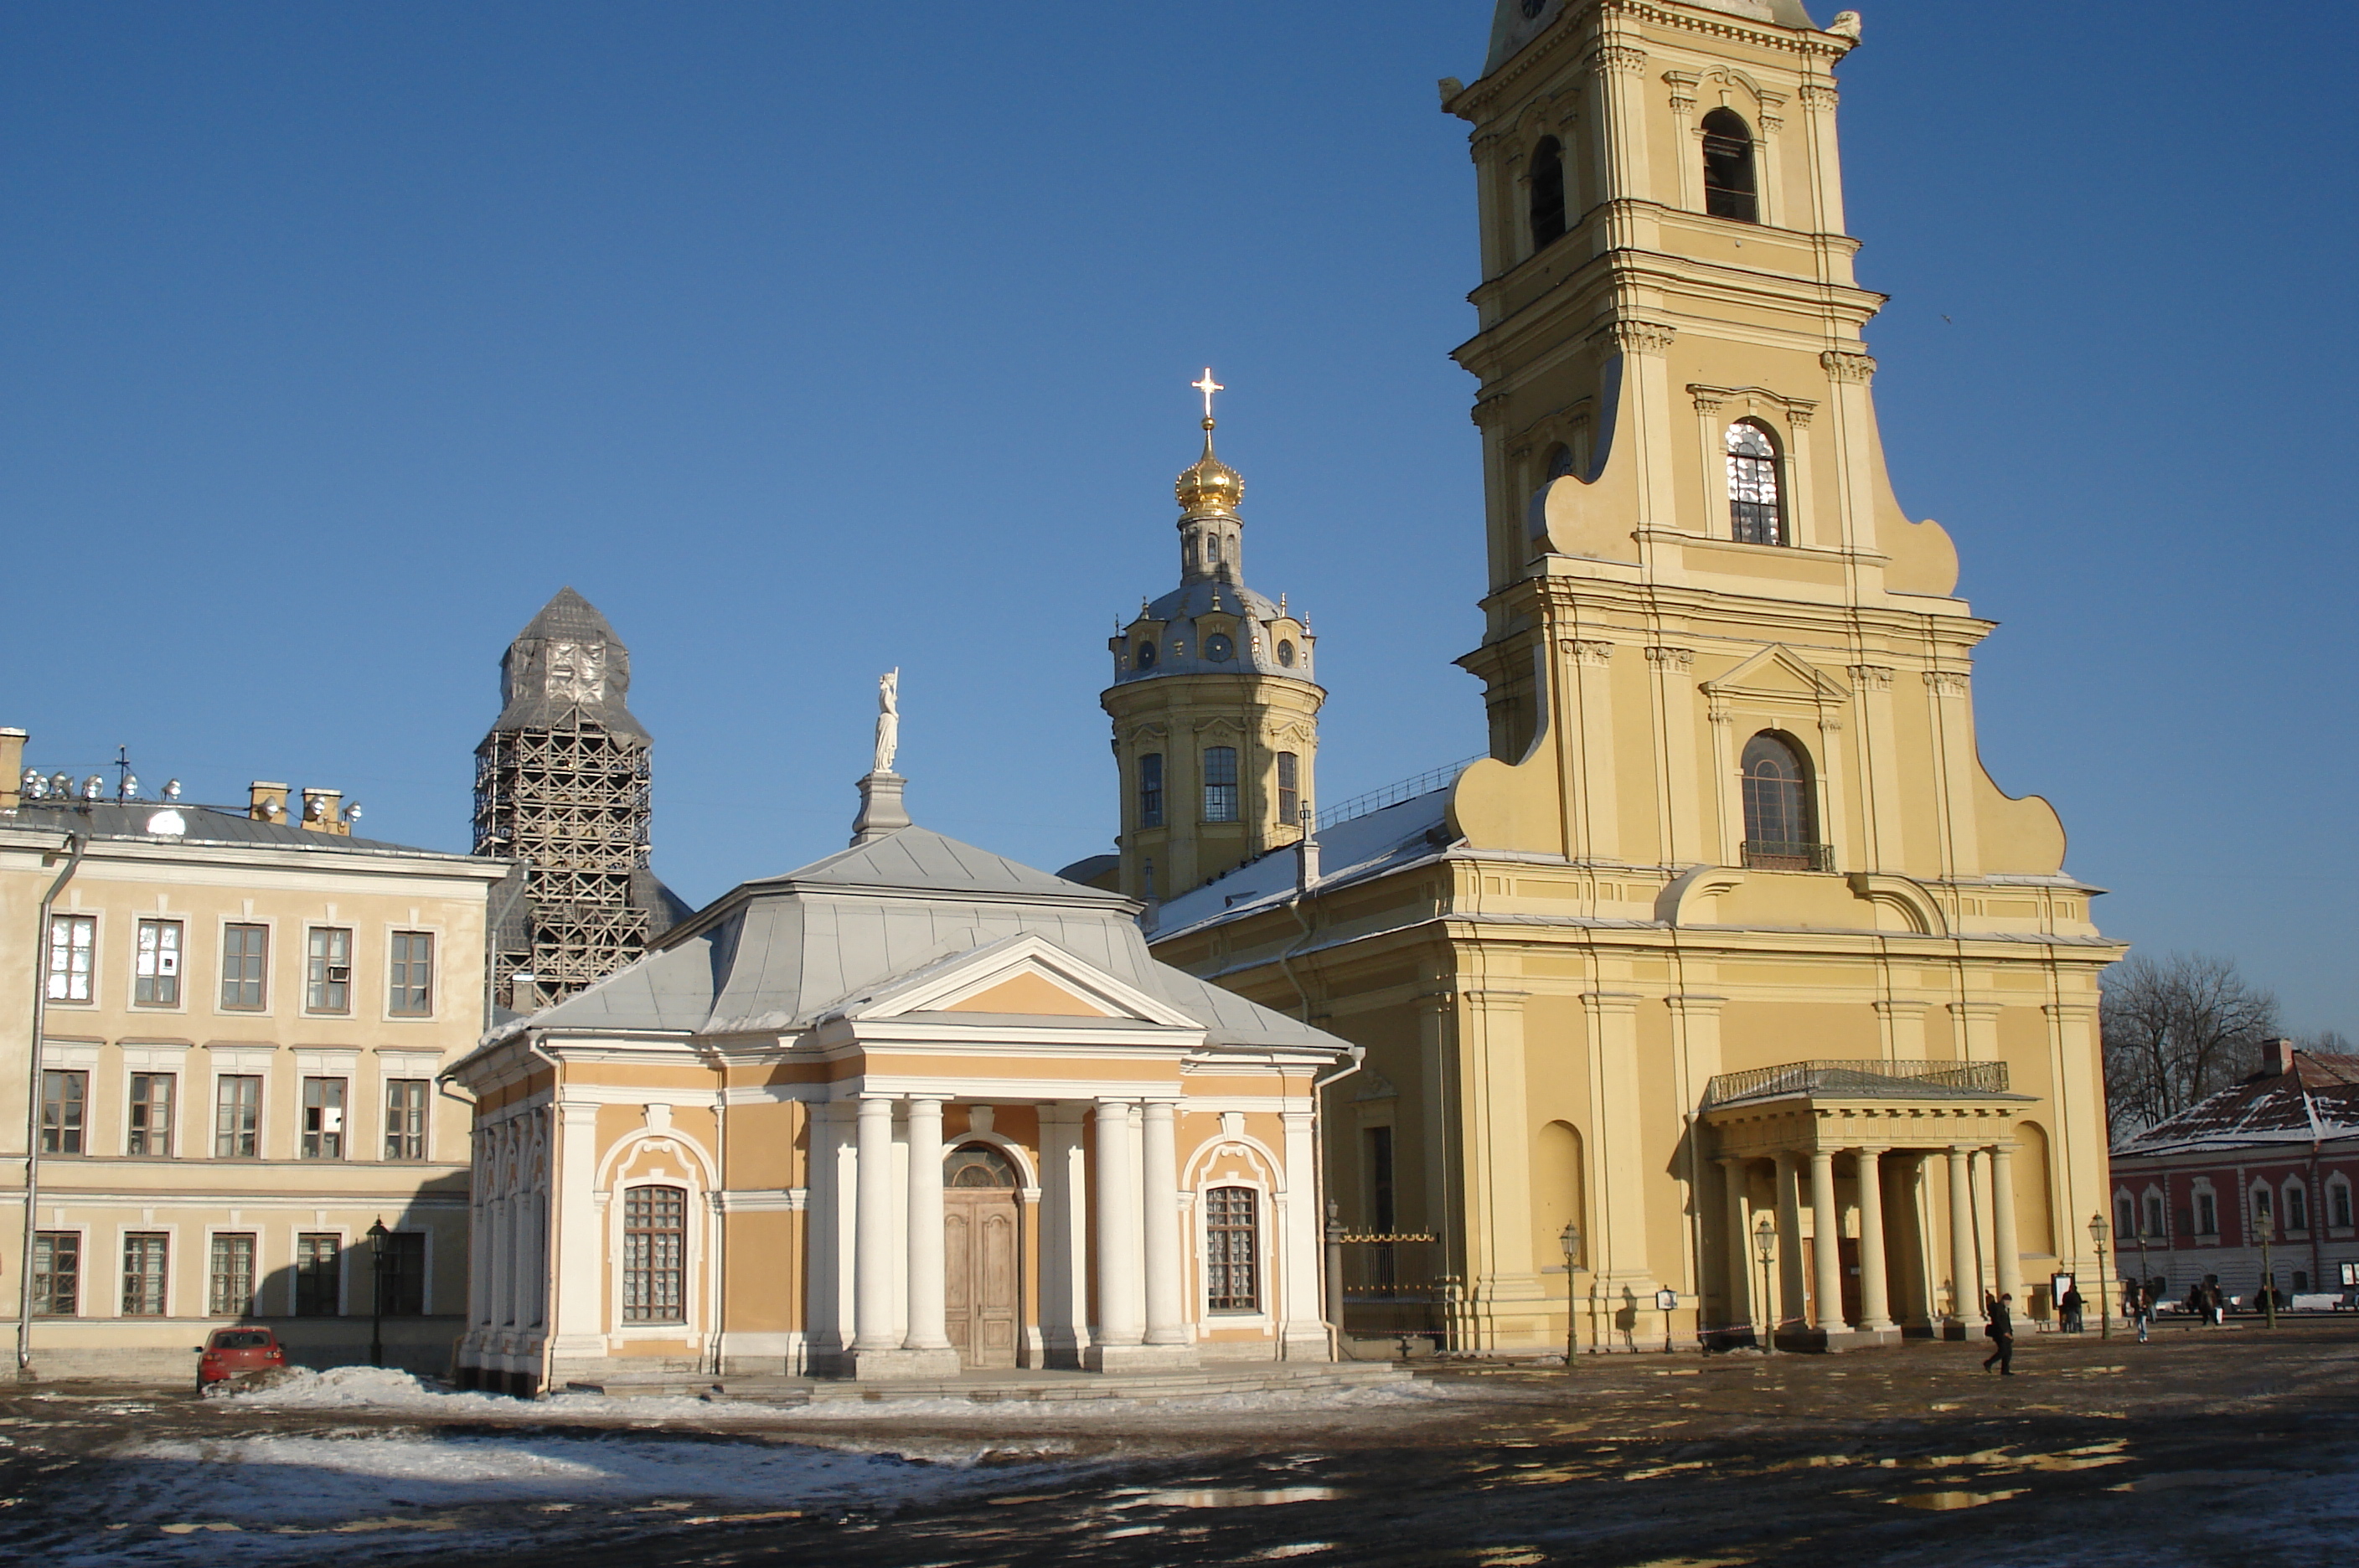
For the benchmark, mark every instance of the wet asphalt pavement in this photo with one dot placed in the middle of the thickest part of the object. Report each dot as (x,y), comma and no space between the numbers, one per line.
(2206,1447)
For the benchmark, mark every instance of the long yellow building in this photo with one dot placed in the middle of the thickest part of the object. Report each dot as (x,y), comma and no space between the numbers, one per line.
(1729,991)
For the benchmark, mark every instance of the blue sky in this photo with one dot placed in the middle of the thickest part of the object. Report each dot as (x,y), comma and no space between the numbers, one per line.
(808,340)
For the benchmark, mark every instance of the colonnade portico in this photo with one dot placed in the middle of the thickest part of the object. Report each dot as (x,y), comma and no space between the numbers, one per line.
(1111,1233)
(1794,1138)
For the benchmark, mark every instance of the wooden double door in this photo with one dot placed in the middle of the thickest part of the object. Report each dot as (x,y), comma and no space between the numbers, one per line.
(982,1257)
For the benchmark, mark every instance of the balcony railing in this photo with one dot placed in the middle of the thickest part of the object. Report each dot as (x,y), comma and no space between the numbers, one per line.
(1778,855)
(1886,1080)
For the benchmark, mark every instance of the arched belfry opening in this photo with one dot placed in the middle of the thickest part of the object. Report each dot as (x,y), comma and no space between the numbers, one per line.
(1729,188)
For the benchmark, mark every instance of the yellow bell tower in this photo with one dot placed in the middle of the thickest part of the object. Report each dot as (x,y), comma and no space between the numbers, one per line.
(1215,713)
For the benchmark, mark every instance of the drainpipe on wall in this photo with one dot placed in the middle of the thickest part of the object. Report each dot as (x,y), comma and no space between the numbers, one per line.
(76,842)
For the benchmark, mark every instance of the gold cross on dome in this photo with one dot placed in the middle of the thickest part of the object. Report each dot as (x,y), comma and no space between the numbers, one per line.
(1208,387)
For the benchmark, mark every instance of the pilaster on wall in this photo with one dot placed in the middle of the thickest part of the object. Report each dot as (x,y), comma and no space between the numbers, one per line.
(577,1324)
(1679,815)
(1954,742)
(1878,761)
(1585,736)
(1501,1271)
(1902,1025)
(1976,1030)
(2077,1143)
(1617,1158)
(1696,1056)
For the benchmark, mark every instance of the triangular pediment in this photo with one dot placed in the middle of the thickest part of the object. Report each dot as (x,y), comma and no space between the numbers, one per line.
(1778,674)
(1023,976)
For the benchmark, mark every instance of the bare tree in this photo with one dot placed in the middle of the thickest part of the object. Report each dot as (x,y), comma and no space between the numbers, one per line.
(2177,1029)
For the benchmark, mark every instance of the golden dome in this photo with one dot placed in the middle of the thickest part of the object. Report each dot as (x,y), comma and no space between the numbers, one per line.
(1211,485)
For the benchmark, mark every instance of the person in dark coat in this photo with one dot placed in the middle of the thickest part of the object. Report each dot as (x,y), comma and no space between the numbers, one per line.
(2002,1333)
(2070,1307)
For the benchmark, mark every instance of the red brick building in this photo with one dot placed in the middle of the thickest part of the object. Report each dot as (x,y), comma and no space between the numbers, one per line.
(2285,1144)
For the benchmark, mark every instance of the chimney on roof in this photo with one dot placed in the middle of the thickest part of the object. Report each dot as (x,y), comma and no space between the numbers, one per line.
(12,769)
(2277,1057)
(266,803)
(323,811)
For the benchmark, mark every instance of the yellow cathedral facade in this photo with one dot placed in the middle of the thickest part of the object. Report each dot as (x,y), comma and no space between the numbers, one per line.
(1729,995)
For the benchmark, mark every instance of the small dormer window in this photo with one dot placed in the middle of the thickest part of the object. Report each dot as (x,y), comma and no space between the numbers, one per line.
(1218,649)
(1285,654)
(1143,658)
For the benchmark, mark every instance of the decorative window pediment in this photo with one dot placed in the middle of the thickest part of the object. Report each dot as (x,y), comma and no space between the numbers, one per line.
(1777,675)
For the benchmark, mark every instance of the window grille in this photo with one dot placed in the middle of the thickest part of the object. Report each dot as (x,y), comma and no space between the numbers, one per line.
(1289,792)
(1728,185)
(143,1254)
(328,971)
(56,1273)
(150,1132)
(405,1118)
(655,1254)
(319,1276)
(1548,193)
(1757,513)
(1220,784)
(237,1116)
(65,1105)
(413,975)
(1150,791)
(1232,1249)
(155,975)
(1780,822)
(74,943)
(246,957)
(323,1118)
(229,1282)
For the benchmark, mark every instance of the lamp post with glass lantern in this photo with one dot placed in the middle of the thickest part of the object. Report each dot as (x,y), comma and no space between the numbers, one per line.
(2267,1224)
(1764,1245)
(2099,1231)
(1570,1239)
(377,1237)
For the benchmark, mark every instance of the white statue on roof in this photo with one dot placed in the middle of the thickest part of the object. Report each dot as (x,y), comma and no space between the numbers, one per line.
(888,719)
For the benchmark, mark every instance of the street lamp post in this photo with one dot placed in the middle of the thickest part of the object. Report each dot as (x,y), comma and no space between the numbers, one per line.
(2099,1231)
(377,1236)
(1570,1239)
(2267,1224)
(1764,1244)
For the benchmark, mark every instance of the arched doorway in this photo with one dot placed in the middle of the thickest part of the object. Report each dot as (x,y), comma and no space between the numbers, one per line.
(981,1259)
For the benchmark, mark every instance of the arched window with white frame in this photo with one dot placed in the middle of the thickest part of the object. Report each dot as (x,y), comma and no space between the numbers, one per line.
(655,1254)
(1781,825)
(1756,500)
(1231,1249)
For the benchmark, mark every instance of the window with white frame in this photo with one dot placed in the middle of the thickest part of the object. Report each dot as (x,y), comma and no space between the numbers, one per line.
(149,1130)
(2338,1203)
(237,1115)
(2207,1212)
(323,1118)
(2124,1216)
(155,964)
(318,1275)
(1220,784)
(2297,1207)
(144,1257)
(2154,1226)
(411,991)
(246,960)
(73,949)
(1233,1249)
(228,1283)
(56,1273)
(65,1110)
(405,1118)
(328,970)
(655,1254)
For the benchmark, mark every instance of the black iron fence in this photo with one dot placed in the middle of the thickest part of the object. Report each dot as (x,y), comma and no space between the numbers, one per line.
(1392,1284)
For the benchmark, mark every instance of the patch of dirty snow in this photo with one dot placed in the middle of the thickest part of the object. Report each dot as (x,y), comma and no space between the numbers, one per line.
(383,1388)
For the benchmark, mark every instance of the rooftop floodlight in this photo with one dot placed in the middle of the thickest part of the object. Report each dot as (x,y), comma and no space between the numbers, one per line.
(353,813)
(171,789)
(35,786)
(315,808)
(130,788)
(93,788)
(62,786)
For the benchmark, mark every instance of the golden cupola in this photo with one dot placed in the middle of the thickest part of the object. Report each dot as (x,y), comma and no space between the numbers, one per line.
(1209,485)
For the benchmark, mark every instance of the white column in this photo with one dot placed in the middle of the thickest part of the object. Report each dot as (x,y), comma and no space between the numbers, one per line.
(1119,1286)
(926,1294)
(1966,1277)
(1160,1186)
(1302,1245)
(1064,1235)
(1788,1307)
(1826,1247)
(1740,1245)
(1874,1298)
(2008,1259)
(873,1328)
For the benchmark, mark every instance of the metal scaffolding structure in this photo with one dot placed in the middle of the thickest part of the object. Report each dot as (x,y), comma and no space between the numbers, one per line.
(561,787)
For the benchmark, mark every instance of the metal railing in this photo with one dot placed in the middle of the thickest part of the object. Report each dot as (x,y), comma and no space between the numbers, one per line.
(1895,1079)
(1779,855)
(1393,1285)
(1375,801)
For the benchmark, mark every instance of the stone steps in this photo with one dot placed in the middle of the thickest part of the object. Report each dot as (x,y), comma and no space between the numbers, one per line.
(996,1387)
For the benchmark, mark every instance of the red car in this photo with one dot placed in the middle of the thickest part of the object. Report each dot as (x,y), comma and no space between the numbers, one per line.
(234,1352)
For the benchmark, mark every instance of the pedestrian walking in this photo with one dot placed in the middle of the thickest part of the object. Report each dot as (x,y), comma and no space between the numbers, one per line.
(2215,1301)
(2002,1333)
(2070,1307)
(2141,1307)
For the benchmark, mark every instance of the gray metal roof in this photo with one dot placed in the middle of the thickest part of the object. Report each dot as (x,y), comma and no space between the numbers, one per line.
(780,953)
(1349,852)
(535,696)
(1256,646)
(203,824)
